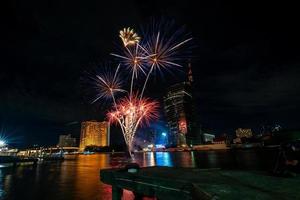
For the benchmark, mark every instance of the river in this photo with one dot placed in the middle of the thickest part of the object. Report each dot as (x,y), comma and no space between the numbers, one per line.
(79,178)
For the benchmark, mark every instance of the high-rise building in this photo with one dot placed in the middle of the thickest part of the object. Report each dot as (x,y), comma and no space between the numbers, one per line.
(180,112)
(177,106)
(66,141)
(94,133)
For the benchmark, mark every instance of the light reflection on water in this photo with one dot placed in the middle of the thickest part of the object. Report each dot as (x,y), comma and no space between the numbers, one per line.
(163,159)
(79,178)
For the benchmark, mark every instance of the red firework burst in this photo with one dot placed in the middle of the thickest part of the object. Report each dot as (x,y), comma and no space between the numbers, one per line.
(138,110)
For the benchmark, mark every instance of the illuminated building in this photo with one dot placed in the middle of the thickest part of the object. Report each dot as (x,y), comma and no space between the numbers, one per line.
(66,141)
(240,133)
(180,113)
(94,133)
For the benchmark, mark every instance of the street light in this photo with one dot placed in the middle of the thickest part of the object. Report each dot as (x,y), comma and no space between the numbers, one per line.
(164,134)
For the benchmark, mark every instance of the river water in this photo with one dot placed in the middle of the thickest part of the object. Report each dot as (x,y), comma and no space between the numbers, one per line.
(78,178)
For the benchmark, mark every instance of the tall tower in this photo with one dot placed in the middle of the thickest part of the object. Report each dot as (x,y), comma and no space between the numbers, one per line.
(179,106)
(190,74)
(194,136)
(94,133)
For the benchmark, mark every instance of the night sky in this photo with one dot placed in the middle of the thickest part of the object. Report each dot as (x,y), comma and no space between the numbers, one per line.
(246,67)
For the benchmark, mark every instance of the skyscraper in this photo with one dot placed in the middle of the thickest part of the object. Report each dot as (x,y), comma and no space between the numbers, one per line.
(177,106)
(181,115)
(180,112)
(94,133)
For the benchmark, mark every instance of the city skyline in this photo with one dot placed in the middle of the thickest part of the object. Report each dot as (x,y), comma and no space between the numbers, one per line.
(160,99)
(246,72)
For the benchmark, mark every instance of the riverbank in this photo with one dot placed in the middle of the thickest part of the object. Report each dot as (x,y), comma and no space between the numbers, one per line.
(170,183)
(79,178)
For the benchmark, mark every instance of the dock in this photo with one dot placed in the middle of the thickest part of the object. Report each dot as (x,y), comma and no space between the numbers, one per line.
(14,160)
(168,183)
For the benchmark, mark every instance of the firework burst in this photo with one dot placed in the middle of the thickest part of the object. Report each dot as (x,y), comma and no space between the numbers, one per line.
(134,59)
(163,47)
(143,110)
(129,37)
(130,113)
(162,50)
(166,47)
(107,85)
(158,50)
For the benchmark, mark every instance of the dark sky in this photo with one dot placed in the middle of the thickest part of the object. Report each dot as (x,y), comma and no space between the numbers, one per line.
(246,71)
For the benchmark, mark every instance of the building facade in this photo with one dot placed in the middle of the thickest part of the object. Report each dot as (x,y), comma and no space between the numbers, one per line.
(181,113)
(94,133)
(177,106)
(181,116)
(66,141)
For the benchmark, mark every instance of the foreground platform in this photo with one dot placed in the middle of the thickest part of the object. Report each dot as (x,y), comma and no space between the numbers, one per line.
(190,183)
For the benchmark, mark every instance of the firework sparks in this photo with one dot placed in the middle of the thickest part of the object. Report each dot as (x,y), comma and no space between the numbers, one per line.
(166,44)
(143,109)
(158,50)
(134,58)
(130,113)
(107,85)
(163,51)
(129,37)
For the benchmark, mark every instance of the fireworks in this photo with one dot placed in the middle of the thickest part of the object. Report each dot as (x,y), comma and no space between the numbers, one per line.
(157,51)
(142,110)
(163,50)
(130,113)
(129,37)
(163,47)
(107,85)
(134,59)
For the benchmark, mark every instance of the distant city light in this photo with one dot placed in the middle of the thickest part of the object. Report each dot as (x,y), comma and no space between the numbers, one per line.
(158,146)
(2,143)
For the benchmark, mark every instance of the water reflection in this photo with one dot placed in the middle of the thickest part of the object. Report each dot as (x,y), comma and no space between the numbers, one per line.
(150,160)
(2,191)
(79,178)
(70,179)
(87,177)
(193,159)
(154,159)
(163,159)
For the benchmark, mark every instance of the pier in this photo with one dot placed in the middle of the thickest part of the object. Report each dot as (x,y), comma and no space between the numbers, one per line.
(14,160)
(170,183)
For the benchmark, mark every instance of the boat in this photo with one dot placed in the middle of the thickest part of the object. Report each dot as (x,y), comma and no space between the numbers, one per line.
(88,153)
